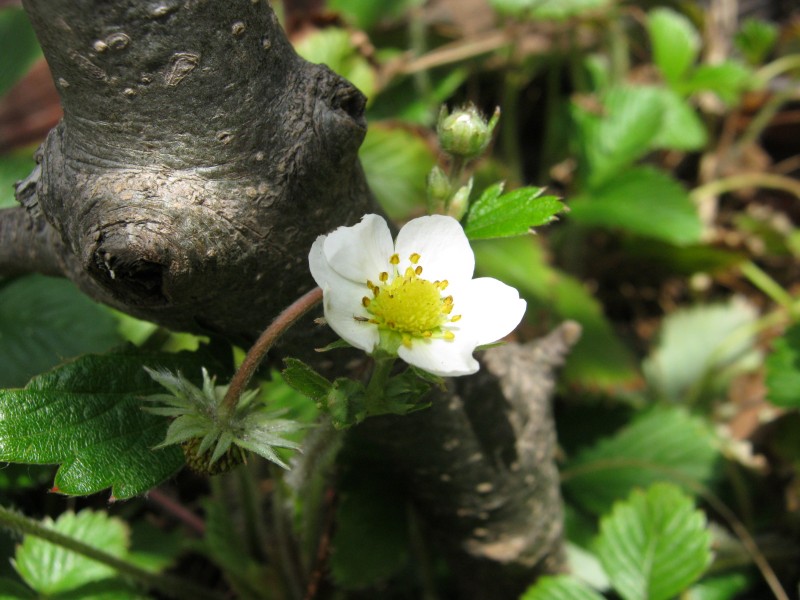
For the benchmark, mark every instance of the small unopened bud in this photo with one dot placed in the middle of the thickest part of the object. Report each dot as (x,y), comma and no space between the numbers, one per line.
(460,202)
(465,132)
(438,190)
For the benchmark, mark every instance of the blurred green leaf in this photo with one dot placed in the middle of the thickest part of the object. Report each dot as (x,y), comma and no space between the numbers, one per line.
(644,201)
(562,587)
(13,590)
(723,587)
(783,369)
(655,544)
(681,127)
(18,46)
(755,40)
(599,360)
(397,162)
(495,214)
(334,47)
(664,443)
(727,80)
(87,416)
(44,321)
(675,41)
(13,167)
(365,14)
(620,132)
(547,9)
(699,349)
(51,569)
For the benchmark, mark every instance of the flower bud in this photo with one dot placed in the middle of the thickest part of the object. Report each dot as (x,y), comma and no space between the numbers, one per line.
(438,190)
(465,132)
(460,202)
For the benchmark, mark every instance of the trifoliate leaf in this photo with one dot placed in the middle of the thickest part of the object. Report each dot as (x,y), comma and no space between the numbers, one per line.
(87,417)
(562,587)
(655,544)
(50,569)
(676,42)
(661,444)
(727,80)
(644,201)
(495,214)
(783,370)
(681,126)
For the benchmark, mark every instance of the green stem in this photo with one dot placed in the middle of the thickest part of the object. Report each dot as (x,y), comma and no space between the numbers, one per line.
(762,280)
(775,68)
(764,117)
(172,586)
(256,354)
(748,180)
(377,384)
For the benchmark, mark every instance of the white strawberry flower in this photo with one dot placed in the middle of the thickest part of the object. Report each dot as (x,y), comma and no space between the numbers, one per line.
(414,297)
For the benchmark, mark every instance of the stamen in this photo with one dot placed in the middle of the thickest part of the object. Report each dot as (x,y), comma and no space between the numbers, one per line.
(409,272)
(384,276)
(443,284)
(365,302)
(448,300)
(414,258)
(449,335)
(418,270)
(394,259)
(455,318)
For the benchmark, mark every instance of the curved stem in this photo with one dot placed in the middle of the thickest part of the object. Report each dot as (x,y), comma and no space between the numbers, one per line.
(171,586)
(256,354)
(775,68)
(737,182)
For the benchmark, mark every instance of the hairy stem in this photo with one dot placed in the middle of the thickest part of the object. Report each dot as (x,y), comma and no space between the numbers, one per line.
(172,586)
(263,344)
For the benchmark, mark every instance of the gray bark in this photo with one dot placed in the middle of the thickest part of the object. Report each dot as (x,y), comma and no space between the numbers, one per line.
(198,159)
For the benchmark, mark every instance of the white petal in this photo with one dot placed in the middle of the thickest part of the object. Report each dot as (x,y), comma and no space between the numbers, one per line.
(360,252)
(342,301)
(446,358)
(442,245)
(489,309)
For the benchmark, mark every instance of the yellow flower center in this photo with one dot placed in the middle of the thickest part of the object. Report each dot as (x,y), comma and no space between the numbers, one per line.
(409,305)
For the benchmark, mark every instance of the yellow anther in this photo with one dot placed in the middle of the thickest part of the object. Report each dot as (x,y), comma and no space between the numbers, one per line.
(365,302)
(394,259)
(455,318)
(448,300)
(414,258)
(418,270)
(426,334)
(384,276)
(443,284)
(375,291)
(407,341)
(449,335)
(409,273)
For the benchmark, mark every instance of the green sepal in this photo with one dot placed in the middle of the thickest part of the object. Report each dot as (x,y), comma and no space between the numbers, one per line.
(302,378)
(346,402)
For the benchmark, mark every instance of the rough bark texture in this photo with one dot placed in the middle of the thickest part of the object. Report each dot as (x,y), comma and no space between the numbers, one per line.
(198,157)
(197,161)
(480,466)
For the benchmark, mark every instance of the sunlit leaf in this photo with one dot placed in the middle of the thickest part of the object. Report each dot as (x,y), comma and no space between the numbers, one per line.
(655,544)
(562,587)
(675,41)
(727,80)
(495,214)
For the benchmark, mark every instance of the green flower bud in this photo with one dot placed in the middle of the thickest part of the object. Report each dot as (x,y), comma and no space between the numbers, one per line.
(460,202)
(465,132)
(438,190)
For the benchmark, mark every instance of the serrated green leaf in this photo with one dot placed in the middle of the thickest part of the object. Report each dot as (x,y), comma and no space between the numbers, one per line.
(562,587)
(18,46)
(665,443)
(676,42)
(396,162)
(783,369)
(625,130)
(700,349)
(644,201)
(302,378)
(44,321)
(599,359)
(51,569)
(334,47)
(655,544)
(495,215)
(87,416)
